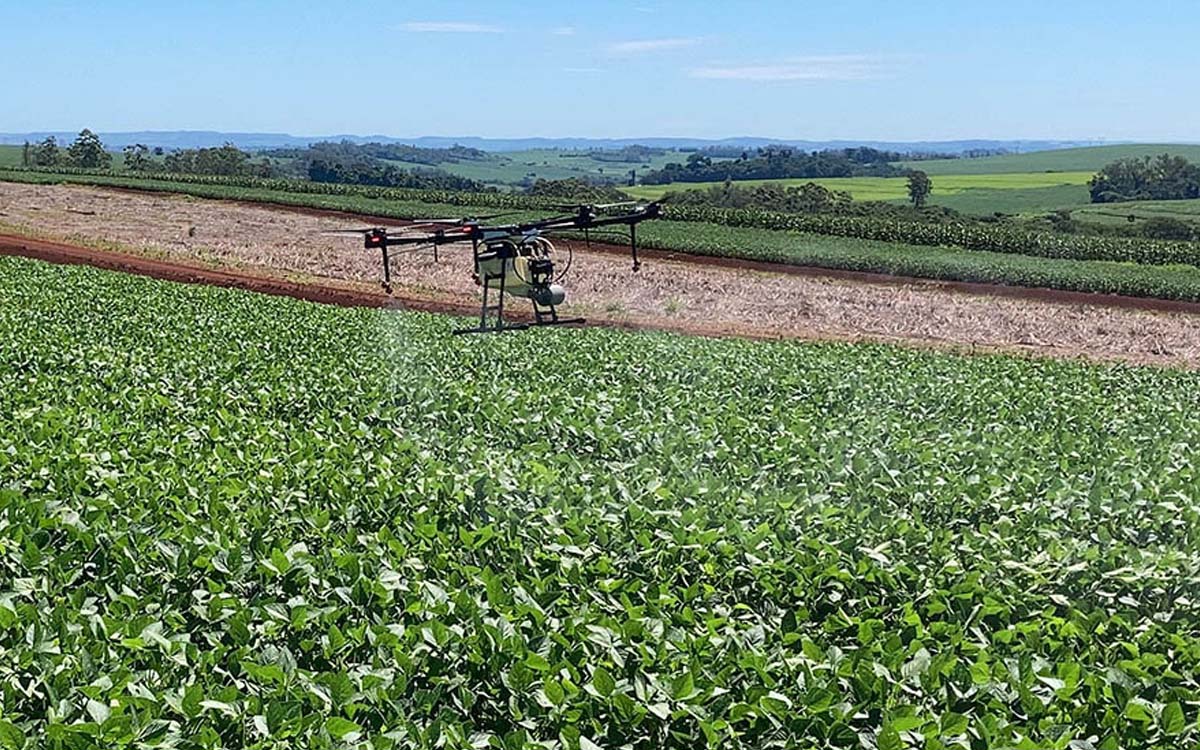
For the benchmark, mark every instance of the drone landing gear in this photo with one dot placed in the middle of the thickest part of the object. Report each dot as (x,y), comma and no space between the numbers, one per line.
(496,324)
(543,315)
(387,270)
(547,315)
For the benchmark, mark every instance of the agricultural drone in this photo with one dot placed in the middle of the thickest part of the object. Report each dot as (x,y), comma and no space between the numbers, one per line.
(516,259)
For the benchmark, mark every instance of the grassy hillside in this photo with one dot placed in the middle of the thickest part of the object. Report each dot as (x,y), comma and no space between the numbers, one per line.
(893,188)
(972,194)
(1064,160)
(1016,200)
(10,156)
(1119,213)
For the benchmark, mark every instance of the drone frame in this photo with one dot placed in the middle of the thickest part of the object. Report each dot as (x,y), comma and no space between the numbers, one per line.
(488,241)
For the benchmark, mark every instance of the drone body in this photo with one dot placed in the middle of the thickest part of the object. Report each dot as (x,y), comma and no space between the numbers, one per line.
(516,260)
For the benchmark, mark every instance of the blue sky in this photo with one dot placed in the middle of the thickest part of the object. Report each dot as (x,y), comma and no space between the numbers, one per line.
(914,70)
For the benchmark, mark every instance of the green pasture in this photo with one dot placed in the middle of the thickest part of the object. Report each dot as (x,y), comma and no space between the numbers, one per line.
(970,193)
(1089,159)
(10,156)
(1121,213)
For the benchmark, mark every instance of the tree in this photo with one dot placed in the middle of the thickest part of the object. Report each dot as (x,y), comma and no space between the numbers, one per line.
(226,160)
(181,161)
(45,154)
(1164,178)
(575,188)
(137,158)
(88,152)
(27,155)
(919,187)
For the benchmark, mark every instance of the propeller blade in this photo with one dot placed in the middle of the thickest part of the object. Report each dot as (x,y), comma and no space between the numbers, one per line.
(465,219)
(618,203)
(349,231)
(594,234)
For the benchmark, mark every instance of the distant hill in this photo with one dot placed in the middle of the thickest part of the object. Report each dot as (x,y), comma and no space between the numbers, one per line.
(1089,159)
(178,139)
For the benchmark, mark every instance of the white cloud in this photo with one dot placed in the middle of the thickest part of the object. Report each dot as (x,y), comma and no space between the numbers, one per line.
(815,68)
(563,31)
(449,27)
(640,46)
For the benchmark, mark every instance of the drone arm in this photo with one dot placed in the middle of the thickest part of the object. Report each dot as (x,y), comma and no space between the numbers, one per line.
(432,239)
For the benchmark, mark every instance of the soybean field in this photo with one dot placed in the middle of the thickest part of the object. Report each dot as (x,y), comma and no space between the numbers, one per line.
(229,520)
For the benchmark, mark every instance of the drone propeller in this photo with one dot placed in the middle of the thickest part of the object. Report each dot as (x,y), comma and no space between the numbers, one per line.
(462,220)
(364,230)
(577,207)
(572,207)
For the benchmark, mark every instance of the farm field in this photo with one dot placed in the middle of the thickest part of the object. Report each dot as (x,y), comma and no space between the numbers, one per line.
(234,520)
(977,194)
(893,188)
(10,156)
(949,252)
(1108,213)
(683,293)
(1012,184)
(1089,159)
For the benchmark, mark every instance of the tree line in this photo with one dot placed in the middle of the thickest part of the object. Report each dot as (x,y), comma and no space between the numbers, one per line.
(811,198)
(368,171)
(349,151)
(327,162)
(773,163)
(1163,178)
(86,152)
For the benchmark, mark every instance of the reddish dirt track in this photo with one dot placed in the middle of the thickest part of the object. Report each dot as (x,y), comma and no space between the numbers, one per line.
(348,296)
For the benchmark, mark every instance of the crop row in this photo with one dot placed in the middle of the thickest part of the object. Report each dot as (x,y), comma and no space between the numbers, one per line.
(997,238)
(1181,283)
(231,520)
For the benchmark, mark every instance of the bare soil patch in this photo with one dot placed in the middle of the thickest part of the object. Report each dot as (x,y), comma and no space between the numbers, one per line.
(674,292)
